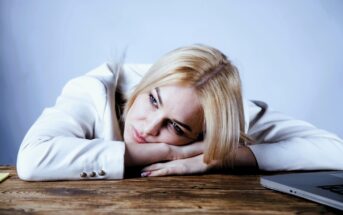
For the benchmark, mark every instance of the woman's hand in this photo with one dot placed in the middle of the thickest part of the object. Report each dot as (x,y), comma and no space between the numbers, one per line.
(186,166)
(245,159)
(144,154)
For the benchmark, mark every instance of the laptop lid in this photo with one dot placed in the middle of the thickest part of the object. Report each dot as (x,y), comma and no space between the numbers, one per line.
(322,187)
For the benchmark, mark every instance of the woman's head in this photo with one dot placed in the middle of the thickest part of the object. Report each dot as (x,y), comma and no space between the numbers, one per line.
(194,92)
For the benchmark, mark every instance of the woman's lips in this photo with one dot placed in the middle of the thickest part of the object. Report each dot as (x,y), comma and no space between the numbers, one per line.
(138,138)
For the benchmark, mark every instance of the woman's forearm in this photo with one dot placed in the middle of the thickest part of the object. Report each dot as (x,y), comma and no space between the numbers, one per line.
(144,154)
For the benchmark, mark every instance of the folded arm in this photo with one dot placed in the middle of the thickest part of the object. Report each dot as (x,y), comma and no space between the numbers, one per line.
(284,143)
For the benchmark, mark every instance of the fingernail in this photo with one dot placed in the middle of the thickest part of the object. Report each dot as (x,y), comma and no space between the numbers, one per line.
(145,174)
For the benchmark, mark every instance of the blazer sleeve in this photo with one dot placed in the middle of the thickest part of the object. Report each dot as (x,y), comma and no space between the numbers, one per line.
(284,143)
(63,144)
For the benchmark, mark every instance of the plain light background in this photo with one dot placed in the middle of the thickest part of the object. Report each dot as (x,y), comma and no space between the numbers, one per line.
(290,53)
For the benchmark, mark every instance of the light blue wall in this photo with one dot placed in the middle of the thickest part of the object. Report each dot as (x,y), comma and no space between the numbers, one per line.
(290,52)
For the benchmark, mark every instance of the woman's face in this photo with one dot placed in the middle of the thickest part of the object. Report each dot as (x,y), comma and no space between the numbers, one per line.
(170,114)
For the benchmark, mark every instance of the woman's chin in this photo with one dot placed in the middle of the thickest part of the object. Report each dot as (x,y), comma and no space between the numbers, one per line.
(129,139)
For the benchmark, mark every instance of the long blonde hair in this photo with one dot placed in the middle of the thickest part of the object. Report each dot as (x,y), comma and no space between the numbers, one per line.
(217,83)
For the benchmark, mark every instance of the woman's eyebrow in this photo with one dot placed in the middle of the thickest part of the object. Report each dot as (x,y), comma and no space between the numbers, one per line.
(183,125)
(178,122)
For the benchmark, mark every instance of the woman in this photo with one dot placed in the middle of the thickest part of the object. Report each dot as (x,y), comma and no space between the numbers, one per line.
(185,116)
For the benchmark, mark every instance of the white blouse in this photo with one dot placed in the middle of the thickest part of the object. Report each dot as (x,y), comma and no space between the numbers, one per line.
(80,138)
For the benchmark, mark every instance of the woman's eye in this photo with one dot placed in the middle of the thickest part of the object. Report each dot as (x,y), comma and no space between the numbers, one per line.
(176,128)
(152,100)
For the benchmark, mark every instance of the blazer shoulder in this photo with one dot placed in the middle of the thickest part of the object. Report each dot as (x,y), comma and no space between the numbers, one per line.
(253,110)
(105,73)
(92,87)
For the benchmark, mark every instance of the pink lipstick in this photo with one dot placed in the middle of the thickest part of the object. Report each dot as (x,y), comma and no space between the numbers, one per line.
(137,136)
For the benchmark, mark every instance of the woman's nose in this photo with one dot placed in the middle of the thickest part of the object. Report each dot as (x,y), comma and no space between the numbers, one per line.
(153,125)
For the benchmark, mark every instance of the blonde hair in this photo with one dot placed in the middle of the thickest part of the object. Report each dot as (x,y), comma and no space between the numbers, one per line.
(217,83)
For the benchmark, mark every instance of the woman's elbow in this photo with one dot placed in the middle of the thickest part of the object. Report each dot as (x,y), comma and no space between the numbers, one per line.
(29,161)
(26,169)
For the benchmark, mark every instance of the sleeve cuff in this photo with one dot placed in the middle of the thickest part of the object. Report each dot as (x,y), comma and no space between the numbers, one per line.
(113,162)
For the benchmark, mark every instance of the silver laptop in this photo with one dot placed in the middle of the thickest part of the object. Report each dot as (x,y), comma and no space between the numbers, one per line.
(321,187)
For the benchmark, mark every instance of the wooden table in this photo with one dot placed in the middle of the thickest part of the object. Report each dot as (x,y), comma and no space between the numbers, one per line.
(205,194)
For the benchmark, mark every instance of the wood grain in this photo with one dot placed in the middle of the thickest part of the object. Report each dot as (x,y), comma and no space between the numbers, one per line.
(200,194)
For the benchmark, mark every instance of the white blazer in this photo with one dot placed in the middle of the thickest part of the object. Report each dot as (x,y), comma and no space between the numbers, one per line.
(80,138)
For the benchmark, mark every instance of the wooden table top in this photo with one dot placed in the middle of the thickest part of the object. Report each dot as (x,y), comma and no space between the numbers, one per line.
(206,194)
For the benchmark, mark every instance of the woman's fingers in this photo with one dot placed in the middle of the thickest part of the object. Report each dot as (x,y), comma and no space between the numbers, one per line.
(160,172)
(154,170)
(163,169)
(176,167)
(153,167)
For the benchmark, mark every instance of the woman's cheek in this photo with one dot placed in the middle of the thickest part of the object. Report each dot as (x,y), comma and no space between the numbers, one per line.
(139,109)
